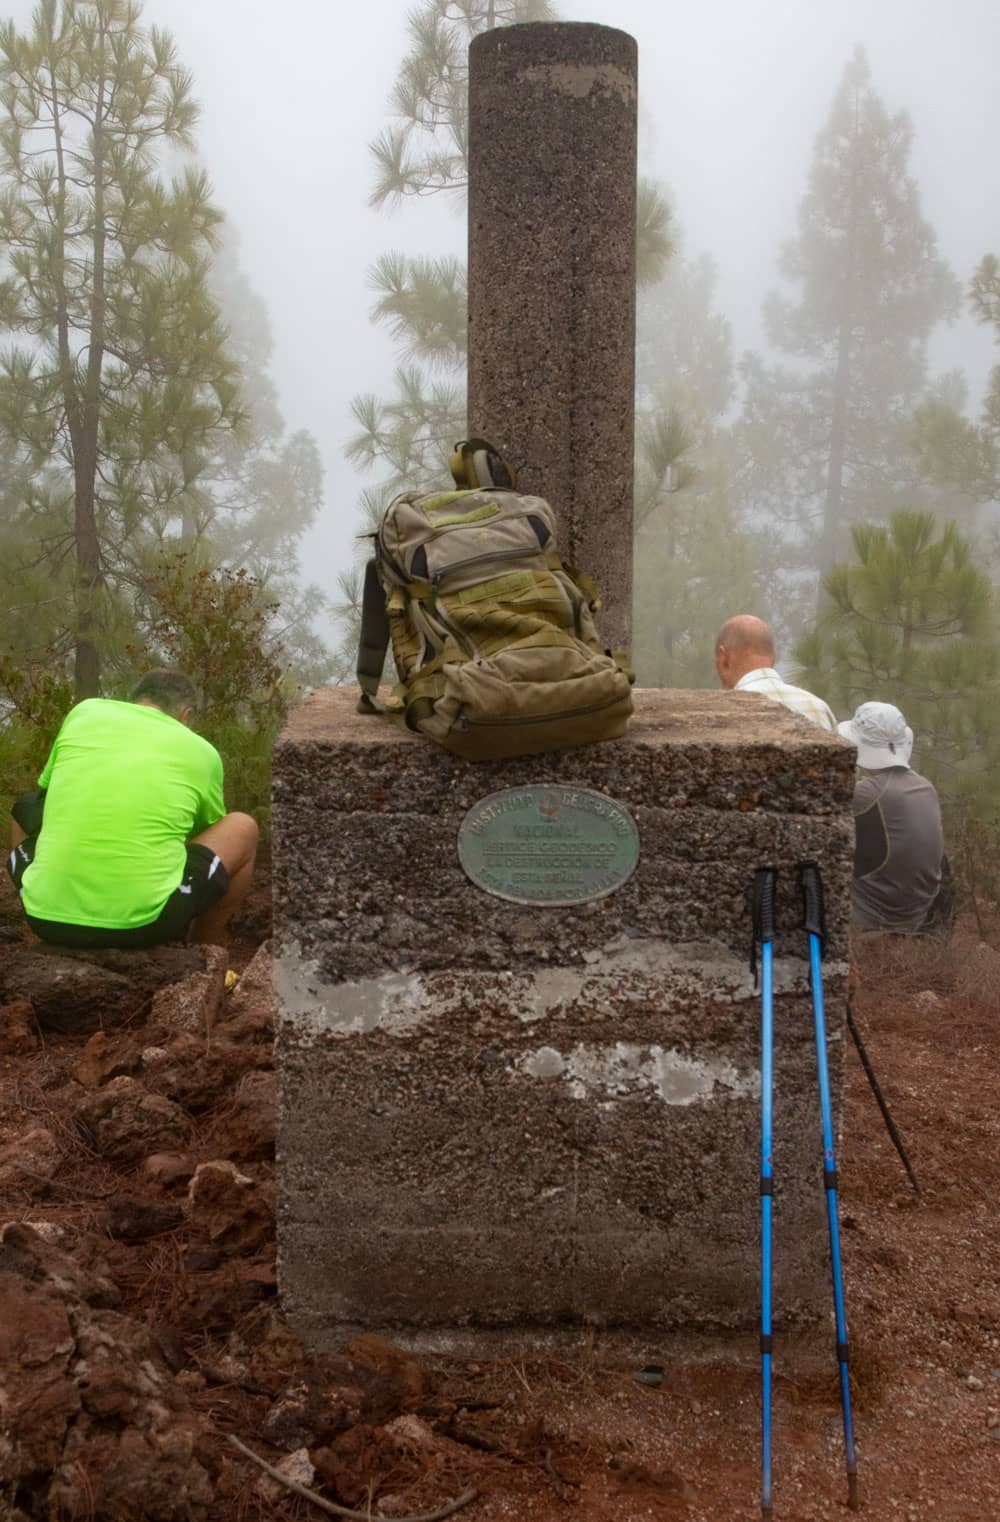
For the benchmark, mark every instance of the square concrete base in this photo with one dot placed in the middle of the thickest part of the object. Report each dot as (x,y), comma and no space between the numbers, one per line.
(502,1122)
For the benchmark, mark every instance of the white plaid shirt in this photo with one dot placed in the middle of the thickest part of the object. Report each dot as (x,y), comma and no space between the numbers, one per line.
(770,682)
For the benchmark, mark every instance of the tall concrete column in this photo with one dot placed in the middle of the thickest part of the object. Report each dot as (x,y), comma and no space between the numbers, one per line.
(552,210)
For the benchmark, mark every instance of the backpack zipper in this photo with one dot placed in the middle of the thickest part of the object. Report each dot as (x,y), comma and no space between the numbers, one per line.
(458,565)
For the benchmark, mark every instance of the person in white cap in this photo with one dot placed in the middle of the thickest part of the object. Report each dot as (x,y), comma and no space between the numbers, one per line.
(899,845)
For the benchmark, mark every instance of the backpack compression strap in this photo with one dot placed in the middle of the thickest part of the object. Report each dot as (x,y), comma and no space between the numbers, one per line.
(374,640)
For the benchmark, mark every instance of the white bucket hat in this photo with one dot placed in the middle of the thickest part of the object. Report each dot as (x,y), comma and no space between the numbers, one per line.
(881,734)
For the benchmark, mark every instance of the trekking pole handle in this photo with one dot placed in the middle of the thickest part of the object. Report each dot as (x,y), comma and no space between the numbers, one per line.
(762,904)
(813,909)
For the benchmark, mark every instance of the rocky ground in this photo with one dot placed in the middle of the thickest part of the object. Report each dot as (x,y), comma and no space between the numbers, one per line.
(139,1326)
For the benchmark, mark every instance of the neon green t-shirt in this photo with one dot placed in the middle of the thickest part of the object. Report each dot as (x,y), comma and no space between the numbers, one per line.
(127,787)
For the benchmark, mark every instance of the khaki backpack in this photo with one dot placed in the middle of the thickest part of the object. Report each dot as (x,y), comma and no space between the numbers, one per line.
(493,638)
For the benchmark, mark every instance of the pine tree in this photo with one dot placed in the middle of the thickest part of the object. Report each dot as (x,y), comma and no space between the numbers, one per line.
(694,563)
(31,602)
(984,296)
(264,488)
(266,485)
(682,337)
(120,387)
(953,451)
(693,557)
(829,432)
(425,150)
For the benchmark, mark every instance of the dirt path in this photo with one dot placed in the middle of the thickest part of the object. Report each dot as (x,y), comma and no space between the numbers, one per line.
(576,1437)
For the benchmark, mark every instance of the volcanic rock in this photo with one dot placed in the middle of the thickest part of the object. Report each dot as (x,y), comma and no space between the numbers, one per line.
(29,1162)
(247,1131)
(124,1122)
(228,1210)
(192,1005)
(105,1057)
(17,1029)
(91,990)
(133,1220)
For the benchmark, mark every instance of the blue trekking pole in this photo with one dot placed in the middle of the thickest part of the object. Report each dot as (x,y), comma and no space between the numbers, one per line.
(764,882)
(814,923)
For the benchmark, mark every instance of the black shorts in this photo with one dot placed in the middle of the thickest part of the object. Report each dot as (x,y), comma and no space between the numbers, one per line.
(204,883)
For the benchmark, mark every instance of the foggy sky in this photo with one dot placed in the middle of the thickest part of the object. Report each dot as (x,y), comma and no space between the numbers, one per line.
(732,93)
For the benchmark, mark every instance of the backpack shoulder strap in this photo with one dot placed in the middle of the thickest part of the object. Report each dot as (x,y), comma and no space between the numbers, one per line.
(374,642)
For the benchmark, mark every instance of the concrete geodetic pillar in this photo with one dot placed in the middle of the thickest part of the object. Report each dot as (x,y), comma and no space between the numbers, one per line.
(552,210)
(518,1114)
(504,1122)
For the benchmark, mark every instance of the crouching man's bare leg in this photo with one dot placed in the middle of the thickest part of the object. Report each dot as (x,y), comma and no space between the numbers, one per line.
(234,840)
(16,834)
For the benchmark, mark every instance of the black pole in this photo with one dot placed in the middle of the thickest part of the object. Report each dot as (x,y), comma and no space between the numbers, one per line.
(762,909)
(814,924)
(890,1124)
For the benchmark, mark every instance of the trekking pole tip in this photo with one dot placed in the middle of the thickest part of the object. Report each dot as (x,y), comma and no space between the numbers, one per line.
(852,1492)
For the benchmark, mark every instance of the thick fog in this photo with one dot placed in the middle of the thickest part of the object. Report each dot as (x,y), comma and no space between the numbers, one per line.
(732,95)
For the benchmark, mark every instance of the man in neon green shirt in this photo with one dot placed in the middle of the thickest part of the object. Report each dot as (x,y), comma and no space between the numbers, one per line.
(127,842)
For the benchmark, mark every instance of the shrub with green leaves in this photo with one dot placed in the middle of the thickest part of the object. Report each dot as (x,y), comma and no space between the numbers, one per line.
(217,626)
(34,698)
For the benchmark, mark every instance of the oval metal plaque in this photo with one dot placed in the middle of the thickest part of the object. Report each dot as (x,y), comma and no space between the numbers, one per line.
(548,845)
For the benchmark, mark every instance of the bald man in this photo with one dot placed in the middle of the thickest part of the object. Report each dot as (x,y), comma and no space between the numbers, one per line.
(744,659)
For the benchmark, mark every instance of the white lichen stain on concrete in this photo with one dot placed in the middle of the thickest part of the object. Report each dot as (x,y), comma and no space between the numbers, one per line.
(578,80)
(696,971)
(397,1002)
(626,1068)
(401,1003)
(545,1063)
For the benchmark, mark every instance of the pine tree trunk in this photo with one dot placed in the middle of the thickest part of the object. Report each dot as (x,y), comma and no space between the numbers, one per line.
(87,663)
(83,443)
(833,500)
(87,668)
(669,633)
